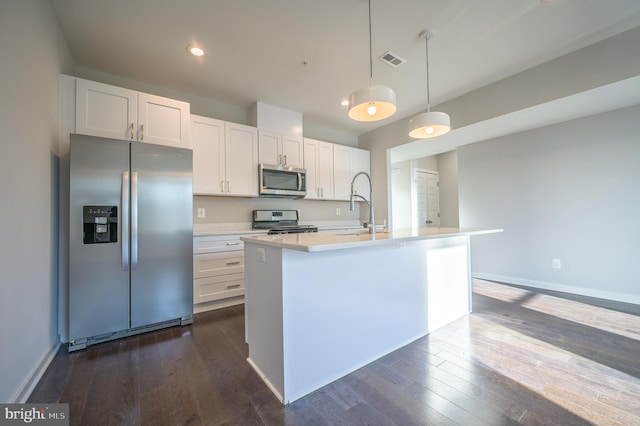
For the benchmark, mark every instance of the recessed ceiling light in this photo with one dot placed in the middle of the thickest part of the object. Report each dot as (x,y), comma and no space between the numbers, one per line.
(195,50)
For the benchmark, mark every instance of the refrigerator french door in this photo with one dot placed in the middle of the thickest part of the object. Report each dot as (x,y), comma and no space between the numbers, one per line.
(130,238)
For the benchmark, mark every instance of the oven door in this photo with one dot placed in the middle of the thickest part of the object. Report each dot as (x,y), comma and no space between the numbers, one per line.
(278,181)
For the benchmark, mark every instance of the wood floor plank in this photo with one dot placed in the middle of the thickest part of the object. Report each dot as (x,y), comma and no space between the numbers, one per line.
(522,357)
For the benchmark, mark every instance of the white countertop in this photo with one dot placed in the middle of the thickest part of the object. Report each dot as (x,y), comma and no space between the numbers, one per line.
(323,241)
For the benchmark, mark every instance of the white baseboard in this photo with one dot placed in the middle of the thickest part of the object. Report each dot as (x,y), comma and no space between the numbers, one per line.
(35,375)
(600,294)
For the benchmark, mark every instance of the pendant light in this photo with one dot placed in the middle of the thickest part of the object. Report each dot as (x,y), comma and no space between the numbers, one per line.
(429,124)
(372,103)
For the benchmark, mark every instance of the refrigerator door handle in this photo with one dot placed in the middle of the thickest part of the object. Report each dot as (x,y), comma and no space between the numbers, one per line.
(134,220)
(124,219)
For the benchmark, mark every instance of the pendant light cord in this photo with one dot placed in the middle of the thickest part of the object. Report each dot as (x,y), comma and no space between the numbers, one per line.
(370,49)
(426,43)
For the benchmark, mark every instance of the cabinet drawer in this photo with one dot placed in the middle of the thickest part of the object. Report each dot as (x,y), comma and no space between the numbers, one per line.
(220,287)
(213,264)
(217,244)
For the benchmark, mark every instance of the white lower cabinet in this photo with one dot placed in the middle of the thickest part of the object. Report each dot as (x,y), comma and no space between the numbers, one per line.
(218,272)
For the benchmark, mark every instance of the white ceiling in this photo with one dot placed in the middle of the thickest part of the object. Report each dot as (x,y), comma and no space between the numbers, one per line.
(256,48)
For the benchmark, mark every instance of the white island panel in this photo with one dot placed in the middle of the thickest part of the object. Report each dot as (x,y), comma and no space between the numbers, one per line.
(315,316)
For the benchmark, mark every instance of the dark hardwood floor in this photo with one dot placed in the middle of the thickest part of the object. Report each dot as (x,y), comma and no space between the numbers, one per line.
(522,357)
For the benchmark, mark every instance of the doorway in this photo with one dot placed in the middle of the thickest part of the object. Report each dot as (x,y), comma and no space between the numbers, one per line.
(426,199)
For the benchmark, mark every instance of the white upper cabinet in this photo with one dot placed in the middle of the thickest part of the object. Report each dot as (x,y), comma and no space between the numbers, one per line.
(342,156)
(269,147)
(163,121)
(279,149)
(207,135)
(106,111)
(117,113)
(292,151)
(331,168)
(318,161)
(347,162)
(241,160)
(225,158)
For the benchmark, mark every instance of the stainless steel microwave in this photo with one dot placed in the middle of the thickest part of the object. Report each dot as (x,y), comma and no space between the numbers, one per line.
(281,181)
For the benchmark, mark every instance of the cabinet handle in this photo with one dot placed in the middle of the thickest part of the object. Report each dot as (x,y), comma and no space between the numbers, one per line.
(236,243)
(237,262)
(222,186)
(285,160)
(229,287)
(228,186)
(322,192)
(131,132)
(280,159)
(142,132)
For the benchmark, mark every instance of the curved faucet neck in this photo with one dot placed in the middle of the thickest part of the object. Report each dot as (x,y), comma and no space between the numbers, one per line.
(372,222)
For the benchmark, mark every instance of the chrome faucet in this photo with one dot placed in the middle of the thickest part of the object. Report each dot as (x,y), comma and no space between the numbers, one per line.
(352,198)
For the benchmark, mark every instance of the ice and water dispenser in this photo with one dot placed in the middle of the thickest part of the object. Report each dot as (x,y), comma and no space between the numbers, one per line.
(100,224)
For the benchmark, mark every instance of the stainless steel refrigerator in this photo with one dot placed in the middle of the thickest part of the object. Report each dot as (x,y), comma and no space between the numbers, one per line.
(130,239)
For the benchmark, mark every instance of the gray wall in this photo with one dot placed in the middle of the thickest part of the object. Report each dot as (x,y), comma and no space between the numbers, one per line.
(602,63)
(401,199)
(449,209)
(33,56)
(568,191)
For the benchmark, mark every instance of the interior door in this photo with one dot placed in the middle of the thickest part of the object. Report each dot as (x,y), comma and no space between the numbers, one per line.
(427,199)
(421,199)
(433,200)
(161,234)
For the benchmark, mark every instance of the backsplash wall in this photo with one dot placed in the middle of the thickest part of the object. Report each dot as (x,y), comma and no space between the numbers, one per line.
(237,209)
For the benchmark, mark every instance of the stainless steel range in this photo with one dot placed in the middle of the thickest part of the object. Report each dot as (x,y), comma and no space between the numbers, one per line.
(280,222)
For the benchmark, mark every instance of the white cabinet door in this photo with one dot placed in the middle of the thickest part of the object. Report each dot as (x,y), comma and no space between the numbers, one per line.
(208,155)
(117,113)
(277,149)
(342,172)
(163,121)
(361,162)
(241,165)
(311,151)
(292,151)
(269,147)
(325,170)
(318,161)
(105,111)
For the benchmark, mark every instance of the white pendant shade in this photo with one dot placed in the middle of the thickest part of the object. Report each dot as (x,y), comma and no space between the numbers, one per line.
(372,103)
(429,125)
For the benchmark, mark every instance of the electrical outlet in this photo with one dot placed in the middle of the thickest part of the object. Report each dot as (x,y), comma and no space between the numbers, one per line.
(556,264)
(201,213)
(338,211)
(261,255)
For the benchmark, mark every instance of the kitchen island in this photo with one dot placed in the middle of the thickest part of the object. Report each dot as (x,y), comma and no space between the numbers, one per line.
(318,306)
